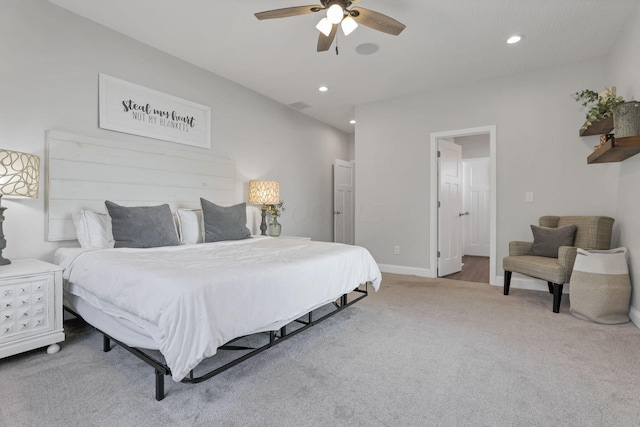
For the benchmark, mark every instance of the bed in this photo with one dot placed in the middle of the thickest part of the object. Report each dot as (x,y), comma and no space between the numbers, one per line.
(193,295)
(187,301)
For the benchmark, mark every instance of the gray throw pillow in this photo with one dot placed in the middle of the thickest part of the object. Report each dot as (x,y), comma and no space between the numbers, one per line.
(142,226)
(547,241)
(224,223)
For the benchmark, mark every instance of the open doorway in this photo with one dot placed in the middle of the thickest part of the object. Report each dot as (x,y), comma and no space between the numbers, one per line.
(343,202)
(471,139)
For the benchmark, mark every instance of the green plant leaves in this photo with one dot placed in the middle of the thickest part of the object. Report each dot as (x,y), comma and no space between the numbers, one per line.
(599,105)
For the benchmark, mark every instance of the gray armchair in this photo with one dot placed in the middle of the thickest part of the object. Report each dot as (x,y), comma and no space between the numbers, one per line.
(592,232)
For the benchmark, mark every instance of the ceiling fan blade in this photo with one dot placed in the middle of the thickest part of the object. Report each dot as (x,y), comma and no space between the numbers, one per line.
(324,42)
(377,21)
(288,11)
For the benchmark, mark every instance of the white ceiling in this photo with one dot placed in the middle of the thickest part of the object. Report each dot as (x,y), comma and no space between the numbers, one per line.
(446,43)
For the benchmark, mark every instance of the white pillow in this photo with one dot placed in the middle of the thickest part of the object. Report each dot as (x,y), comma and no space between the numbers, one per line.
(190,226)
(93,229)
(254,218)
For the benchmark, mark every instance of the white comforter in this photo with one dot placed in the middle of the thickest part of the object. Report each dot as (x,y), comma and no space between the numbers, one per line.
(201,296)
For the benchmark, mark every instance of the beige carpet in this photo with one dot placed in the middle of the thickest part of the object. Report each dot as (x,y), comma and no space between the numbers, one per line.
(419,352)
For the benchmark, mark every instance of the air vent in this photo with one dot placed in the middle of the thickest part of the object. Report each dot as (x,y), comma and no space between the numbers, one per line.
(299,105)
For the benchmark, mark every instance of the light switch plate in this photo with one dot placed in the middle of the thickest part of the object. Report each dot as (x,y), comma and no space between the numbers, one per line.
(528,197)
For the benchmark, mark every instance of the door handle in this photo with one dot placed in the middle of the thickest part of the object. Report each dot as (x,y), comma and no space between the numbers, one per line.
(463,213)
(337,212)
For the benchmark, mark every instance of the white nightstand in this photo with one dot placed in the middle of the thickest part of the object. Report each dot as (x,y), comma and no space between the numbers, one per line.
(294,237)
(30,306)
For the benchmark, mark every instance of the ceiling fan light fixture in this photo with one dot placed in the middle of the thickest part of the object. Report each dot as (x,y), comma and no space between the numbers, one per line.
(338,12)
(348,25)
(335,13)
(324,26)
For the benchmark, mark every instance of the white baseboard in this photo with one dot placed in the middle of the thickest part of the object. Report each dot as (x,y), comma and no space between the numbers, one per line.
(634,314)
(524,282)
(400,269)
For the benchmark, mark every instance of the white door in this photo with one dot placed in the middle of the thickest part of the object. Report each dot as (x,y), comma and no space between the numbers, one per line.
(343,202)
(476,200)
(450,208)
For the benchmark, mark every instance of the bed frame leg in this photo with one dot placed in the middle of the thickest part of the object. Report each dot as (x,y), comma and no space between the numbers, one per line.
(106,343)
(159,385)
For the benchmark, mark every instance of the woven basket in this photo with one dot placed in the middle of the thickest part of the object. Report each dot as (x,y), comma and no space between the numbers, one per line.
(600,287)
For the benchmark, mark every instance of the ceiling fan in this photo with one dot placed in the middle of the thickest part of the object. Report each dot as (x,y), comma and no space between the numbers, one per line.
(339,12)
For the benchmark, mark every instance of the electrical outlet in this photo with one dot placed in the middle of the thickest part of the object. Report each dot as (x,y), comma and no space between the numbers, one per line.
(528,197)
(396,249)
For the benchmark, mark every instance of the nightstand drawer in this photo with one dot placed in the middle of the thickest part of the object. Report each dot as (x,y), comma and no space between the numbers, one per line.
(30,307)
(25,306)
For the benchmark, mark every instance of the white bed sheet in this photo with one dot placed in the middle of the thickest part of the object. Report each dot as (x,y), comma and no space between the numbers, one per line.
(191,299)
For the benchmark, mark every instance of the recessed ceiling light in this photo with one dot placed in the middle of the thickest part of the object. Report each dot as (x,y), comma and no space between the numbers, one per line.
(353,122)
(323,88)
(515,38)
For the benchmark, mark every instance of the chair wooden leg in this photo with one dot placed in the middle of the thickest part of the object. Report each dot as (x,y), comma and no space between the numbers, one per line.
(507,282)
(557,296)
(550,284)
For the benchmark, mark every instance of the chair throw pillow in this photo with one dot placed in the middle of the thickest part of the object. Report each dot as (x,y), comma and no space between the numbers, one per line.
(224,223)
(547,241)
(142,226)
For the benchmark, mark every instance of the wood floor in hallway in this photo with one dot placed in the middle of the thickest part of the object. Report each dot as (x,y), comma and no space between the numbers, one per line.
(475,269)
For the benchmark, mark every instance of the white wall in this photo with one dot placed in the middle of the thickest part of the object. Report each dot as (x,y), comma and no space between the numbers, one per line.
(538,149)
(352,147)
(474,145)
(624,73)
(49,80)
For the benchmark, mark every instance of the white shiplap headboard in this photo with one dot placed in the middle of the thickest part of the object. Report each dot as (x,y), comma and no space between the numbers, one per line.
(83,172)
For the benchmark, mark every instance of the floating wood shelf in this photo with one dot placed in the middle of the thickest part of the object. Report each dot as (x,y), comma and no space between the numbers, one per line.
(601,127)
(615,150)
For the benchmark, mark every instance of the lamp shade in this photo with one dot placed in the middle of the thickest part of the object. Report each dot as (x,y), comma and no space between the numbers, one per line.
(335,13)
(264,192)
(324,26)
(19,174)
(348,25)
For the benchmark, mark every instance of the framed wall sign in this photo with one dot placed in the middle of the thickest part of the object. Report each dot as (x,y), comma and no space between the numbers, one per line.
(131,108)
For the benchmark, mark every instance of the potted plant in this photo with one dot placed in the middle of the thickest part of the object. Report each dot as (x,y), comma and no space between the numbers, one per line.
(599,105)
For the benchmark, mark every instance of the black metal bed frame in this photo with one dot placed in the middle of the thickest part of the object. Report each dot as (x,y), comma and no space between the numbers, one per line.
(275,337)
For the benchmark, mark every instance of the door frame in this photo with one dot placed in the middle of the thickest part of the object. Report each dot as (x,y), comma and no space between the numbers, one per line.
(433,194)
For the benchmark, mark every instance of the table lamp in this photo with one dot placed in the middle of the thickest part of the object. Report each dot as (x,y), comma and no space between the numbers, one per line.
(265,193)
(19,174)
